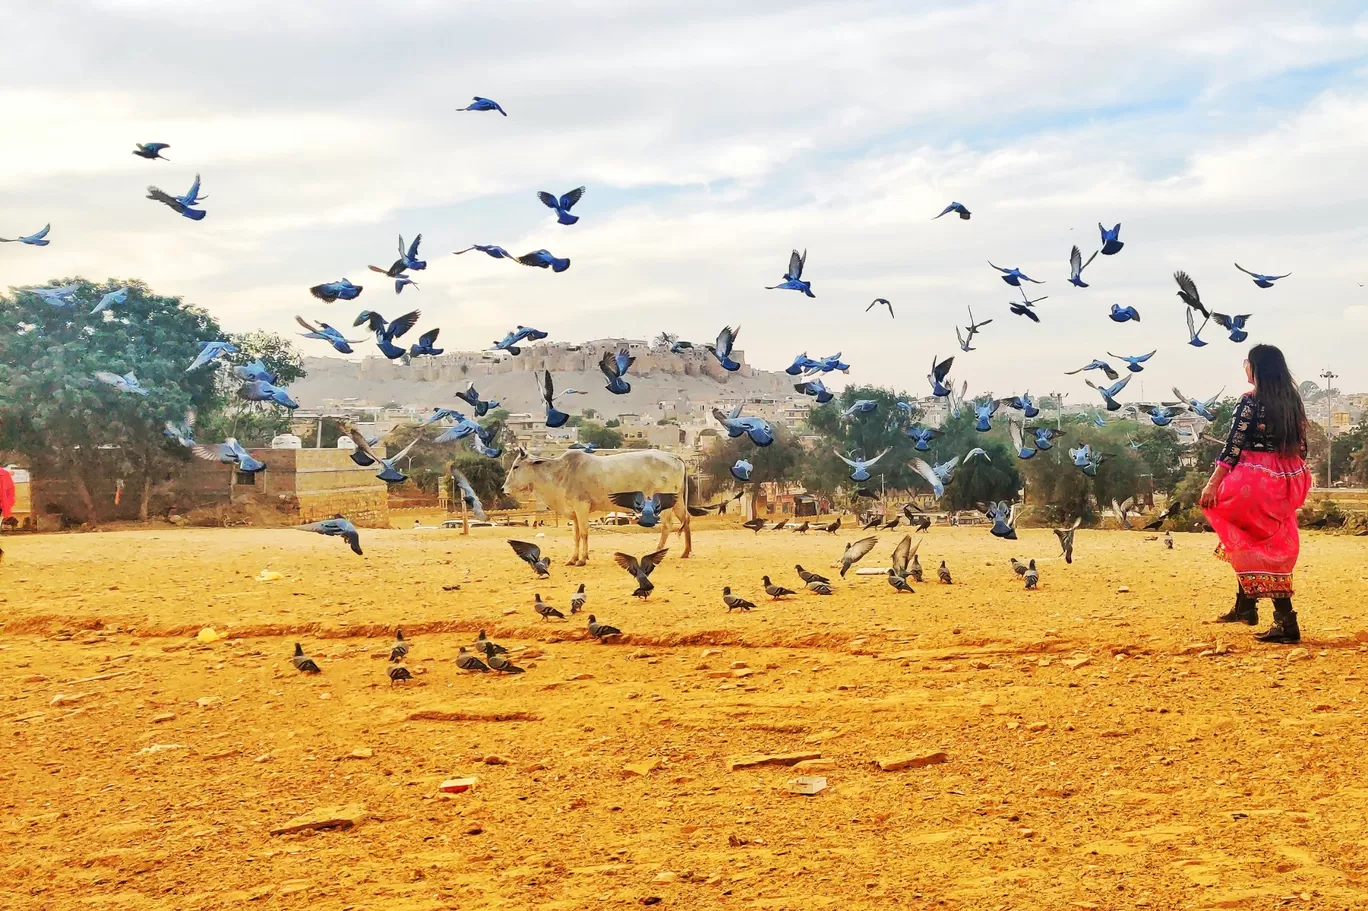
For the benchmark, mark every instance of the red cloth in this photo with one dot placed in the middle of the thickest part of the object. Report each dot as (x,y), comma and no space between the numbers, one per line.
(7,494)
(1255,517)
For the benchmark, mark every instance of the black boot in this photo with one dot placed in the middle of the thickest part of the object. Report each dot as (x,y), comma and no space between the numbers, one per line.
(1284,628)
(1246,610)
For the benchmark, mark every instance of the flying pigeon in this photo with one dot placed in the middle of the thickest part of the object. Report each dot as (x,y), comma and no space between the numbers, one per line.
(1134,364)
(1263,281)
(861,467)
(984,412)
(587,448)
(262,391)
(388,473)
(554,418)
(543,259)
(328,292)
(1187,292)
(1109,393)
(734,602)
(1014,430)
(1161,415)
(510,341)
(1201,408)
(1026,307)
(937,376)
(971,330)
(1003,518)
(1014,277)
(401,282)
(563,205)
(975,452)
(387,331)
(229,452)
(185,205)
(483,104)
(957,208)
(463,428)
(648,509)
(884,302)
(614,367)
(1023,404)
(109,300)
(532,556)
(815,388)
(801,364)
(126,383)
(726,339)
(923,437)
(859,406)
(492,250)
(211,351)
(793,278)
(1195,331)
(426,345)
(641,570)
(855,551)
(1096,365)
(1045,436)
(33,240)
(1066,539)
(901,564)
(328,334)
(742,470)
(1076,267)
(602,631)
(1122,511)
(1173,509)
(759,430)
(57,297)
(936,475)
(303,663)
(409,258)
(1235,325)
(344,529)
(472,398)
(151,150)
(183,433)
(1120,314)
(1111,243)
(467,495)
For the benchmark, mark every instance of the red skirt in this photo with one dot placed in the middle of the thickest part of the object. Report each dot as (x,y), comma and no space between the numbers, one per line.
(1255,517)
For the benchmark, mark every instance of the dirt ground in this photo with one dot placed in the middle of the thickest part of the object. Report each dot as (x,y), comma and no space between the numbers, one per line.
(1180,765)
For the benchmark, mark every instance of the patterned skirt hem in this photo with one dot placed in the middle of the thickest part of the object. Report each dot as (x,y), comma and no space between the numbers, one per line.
(1266,585)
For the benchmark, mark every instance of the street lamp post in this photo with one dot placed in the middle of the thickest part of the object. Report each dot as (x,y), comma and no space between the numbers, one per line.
(1329,378)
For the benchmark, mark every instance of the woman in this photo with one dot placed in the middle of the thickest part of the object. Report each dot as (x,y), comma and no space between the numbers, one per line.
(1259,483)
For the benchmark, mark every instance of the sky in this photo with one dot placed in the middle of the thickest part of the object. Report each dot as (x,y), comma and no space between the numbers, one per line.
(713,138)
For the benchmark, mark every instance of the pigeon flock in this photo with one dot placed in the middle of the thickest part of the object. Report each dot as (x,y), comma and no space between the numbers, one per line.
(259,385)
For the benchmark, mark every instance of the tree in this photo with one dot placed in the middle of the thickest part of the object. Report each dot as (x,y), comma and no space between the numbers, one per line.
(600,435)
(485,475)
(866,434)
(778,462)
(253,423)
(612,422)
(68,426)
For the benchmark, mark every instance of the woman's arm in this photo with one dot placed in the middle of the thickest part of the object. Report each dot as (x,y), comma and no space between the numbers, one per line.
(1230,453)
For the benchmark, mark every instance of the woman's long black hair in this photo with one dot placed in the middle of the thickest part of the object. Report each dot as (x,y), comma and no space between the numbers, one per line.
(1277,392)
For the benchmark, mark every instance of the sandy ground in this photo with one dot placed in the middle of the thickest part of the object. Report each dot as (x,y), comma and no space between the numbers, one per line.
(1180,766)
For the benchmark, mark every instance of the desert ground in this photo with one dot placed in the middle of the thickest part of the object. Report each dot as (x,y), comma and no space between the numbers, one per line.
(1093,744)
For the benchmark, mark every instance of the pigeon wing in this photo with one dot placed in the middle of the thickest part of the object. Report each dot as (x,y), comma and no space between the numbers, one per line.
(402,324)
(902,555)
(568,201)
(547,199)
(652,560)
(856,550)
(627,562)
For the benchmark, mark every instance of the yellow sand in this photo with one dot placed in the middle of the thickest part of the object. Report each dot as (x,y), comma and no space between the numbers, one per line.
(1181,766)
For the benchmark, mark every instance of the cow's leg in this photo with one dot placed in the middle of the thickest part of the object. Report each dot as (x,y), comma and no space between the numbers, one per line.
(682,512)
(581,537)
(664,529)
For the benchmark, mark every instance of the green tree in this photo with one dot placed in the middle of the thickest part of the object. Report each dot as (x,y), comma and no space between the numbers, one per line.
(485,475)
(601,436)
(779,461)
(69,427)
(869,434)
(253,423)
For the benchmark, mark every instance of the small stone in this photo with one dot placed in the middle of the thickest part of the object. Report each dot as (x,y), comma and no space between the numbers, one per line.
(1297,654)
(1036,727)
(665,876)
(69,699)
(358,753)
(265,757)
(476,829)
(1026,833)
(912,760)
(494,760)
(1075,663)
(581,677)
(979,664)
(205,702)
(641,769)
(764,759)
(164,716)
(325,695)
(737,665)
(1123,590)
(340,817)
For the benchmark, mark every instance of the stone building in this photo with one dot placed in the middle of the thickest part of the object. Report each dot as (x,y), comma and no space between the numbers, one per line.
(306,484)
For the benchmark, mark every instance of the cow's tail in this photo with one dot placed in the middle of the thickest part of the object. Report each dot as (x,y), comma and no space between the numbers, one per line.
(687,486)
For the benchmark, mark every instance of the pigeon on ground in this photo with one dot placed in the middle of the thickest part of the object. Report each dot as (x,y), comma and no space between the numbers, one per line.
(1031,576)
(881,301)
(1120,314)
(647,509)
(336,527)
(398,674)
(1066,539)
(1014,277)
(734,602)
(483,104)
(943,574)
(807,576)
(563,205)
(793,278)
(545,610)
(1168,540)
(901,566)
(483,644)
(775,592)
(855,551)
(726,340)
(303,663)
(602,631)
(128,383)
(577,599)
(957,208)
(615,367)
(1017,566)
(468,662)
(329,292)
(641,570)
(819,588)
(914,569)
(184,205)
(1134,364)
(1076,266)
(37,239)
(543,259)
(1111,242)
(1263,281)
(400,649)
(151,150)
(498,662)
(324,332)
(531,555)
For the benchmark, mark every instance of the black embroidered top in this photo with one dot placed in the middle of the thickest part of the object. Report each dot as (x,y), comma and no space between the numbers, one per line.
(1248,432)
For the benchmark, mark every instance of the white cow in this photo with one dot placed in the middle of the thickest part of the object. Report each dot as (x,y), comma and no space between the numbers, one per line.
(577,483)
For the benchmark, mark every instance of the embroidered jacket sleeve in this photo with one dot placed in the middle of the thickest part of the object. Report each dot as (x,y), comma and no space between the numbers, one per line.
(1241,428)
